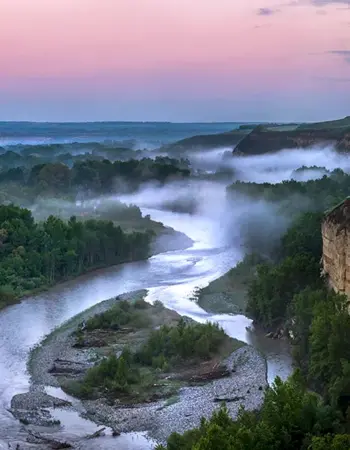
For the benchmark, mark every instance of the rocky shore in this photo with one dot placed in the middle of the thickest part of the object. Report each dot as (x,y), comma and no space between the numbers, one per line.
(245,386)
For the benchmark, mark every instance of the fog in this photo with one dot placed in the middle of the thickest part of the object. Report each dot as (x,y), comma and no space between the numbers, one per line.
(240,221)
(276,167)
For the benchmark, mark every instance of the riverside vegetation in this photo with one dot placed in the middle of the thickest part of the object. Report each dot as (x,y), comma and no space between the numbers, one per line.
(153,362)
(35,255)
(95,233)
(88,176)
(287,292)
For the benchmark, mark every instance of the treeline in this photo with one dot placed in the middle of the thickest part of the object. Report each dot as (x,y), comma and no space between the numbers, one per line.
(312,195)
(27,156)
(33,255)
(96,175)
(296,266)
(291,418)
(291,294)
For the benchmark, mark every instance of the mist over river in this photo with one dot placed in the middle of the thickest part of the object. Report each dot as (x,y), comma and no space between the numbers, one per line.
(170,277)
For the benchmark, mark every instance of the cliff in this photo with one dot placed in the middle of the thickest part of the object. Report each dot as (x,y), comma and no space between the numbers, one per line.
(336,247)
(267,140)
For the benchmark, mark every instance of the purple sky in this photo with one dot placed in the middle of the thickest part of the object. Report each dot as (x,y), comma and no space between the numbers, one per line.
(174,60)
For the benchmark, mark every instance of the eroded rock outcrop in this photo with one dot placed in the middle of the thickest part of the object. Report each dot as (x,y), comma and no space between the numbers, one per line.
(336,247)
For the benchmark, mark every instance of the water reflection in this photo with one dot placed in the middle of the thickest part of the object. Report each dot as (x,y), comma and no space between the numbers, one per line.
(171,278)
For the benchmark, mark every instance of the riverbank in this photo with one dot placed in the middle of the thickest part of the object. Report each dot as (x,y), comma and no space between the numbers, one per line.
(244,386)
(166,239)
(228,293)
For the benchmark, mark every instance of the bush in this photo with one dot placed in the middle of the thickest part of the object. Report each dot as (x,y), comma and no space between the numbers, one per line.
(116,375)
(169,346)
(121,314)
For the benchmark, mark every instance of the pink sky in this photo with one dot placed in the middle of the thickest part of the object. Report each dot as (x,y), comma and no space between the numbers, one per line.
(174,59)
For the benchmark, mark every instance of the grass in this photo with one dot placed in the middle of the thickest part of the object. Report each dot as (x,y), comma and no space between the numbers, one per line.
(228,294)
(339,123)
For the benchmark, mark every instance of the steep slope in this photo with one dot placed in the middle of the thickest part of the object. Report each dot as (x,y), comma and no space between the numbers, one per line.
(262,140)
(336,247)
(208,141)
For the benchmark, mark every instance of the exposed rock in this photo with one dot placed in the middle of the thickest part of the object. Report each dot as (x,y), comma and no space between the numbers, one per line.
(34,400)
(63,367)
(37,438)
(336,247)
(30,408)
(38,417)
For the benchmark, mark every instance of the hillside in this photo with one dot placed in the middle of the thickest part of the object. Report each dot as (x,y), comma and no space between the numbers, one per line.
(207,141)
(265,140)
(339,123)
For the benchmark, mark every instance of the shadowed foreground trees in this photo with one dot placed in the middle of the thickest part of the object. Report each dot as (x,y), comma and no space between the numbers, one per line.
(291,419)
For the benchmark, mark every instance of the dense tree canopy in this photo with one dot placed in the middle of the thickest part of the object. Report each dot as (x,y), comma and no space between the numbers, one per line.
(95,175)
(38,254)
(292,195)
(272,290)
(291,293)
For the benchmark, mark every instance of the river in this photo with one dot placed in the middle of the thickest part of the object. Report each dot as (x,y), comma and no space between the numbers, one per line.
(170,277)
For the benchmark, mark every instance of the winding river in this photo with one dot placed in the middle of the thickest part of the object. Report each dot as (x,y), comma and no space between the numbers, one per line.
(170,277)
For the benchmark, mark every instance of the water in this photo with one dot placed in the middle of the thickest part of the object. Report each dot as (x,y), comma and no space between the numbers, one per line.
(170,277)
(139,134)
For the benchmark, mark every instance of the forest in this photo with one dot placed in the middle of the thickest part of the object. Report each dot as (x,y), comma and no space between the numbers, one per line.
(293,196)
(287,293)
(38,254)
(311,410)
(92,175)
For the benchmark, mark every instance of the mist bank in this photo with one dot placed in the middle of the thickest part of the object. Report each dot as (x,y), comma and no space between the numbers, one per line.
(264,139)
(255,139)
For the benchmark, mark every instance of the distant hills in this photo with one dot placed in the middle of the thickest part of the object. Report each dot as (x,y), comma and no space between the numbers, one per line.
(270,137)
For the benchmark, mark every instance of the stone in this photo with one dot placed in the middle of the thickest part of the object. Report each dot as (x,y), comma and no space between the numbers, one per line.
(336,247)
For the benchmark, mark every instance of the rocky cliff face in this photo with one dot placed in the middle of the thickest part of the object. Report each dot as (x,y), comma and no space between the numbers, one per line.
(336,247)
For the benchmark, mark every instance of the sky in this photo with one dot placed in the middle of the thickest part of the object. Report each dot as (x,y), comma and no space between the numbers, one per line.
(174,60)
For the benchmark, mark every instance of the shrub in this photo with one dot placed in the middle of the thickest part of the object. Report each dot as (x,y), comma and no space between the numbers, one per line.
(187,341)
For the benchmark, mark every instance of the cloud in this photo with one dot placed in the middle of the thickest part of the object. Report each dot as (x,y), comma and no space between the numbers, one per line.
(329,2)
(266,11)
(317,3)
(343,53)
(333,79)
